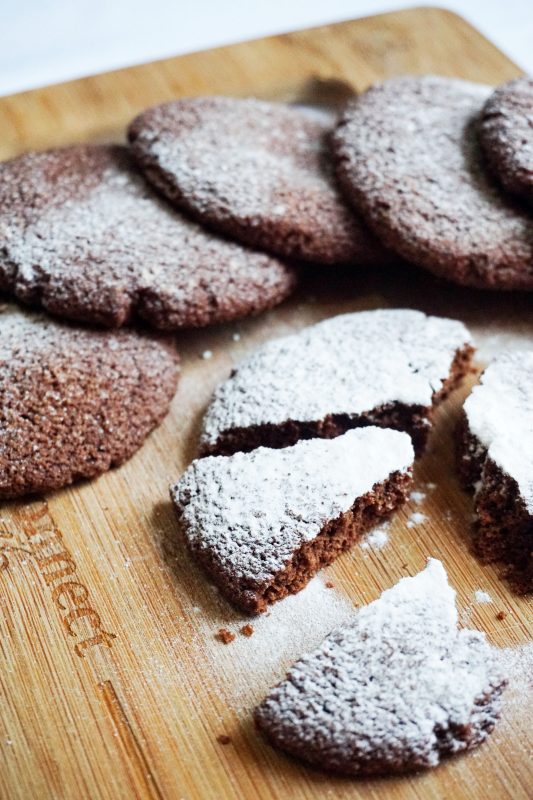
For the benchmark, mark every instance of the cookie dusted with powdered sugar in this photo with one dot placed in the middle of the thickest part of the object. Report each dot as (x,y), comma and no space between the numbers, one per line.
(506,132)
(384,367)
(397,690)
(75,402)
(83,235)
(259,172)
(409,159)
(496,460)
(262,524)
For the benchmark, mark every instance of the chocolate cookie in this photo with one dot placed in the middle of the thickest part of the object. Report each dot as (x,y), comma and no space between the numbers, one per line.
(260,172)
(83,235)
(75,402)
(496,461)
(396,690)
(409,159)
(385,367)
(262,524)
(506,132)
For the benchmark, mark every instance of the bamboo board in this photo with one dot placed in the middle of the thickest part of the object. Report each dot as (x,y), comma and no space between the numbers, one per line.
(127,698)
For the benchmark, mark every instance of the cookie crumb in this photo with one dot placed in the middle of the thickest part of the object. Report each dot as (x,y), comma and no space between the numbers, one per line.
(247,630)
(501,615)
(225,636)
(330,585)
(223,739)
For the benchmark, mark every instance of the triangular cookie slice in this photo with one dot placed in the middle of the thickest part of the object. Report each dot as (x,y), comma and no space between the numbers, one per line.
(387,367)
(263,523)
(394,691)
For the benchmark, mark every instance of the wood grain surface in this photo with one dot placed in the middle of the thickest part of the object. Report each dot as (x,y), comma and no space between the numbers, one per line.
(112,682)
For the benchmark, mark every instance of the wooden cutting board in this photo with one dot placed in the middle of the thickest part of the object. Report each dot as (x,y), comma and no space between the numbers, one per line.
(128,699)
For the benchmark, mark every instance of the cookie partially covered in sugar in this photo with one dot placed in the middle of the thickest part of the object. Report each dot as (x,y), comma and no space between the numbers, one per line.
(396,690)
(506,135)
(84,236)
(262,524)
(74,401)
(496,460)
(409,159)
(259,172)
(384,367)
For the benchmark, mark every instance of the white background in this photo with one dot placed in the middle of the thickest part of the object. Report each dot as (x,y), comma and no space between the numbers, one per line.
(46,41)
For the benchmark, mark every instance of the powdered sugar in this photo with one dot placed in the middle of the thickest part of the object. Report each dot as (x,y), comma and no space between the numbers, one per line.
(377,538)
(290,628)
(416,518)
(500,415)
(481,596)
(251,511)
(398,688)
(349,364)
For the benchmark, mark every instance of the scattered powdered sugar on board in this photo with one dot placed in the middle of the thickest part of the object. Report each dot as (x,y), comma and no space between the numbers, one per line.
(416,518)
(292,627)
(517,664)
(482,597)
(377,538)
(417,497)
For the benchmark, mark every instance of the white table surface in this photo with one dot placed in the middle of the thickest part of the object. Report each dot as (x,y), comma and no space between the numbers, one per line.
(47,41)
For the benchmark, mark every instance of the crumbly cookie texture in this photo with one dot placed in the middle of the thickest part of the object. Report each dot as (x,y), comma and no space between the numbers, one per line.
(84,236)
(409,159)
(75,402)
(506,134)
(260,172)
(397,690)
(262,523)
(384,367)
(496,460)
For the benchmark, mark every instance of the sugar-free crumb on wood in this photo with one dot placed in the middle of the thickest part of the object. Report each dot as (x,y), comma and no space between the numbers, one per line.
(224,635)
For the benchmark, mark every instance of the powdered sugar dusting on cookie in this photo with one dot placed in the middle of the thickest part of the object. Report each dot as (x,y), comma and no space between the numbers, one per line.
(260,171)
(506,134)
(251,511)
(409,158)
(85,235)
(397,689)
(500,415)
(75,401)
(349,364)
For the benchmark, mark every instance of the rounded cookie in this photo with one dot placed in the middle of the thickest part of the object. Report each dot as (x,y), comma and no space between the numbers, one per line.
(82,234)
(396,690)
(258,171)
(409,159)
(506,133)
(75,402)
